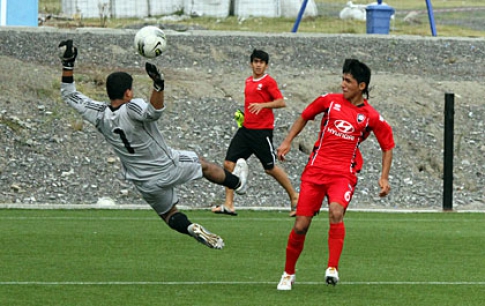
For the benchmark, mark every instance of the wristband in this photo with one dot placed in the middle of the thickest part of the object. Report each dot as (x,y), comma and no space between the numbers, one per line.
(68,65)
(159,85)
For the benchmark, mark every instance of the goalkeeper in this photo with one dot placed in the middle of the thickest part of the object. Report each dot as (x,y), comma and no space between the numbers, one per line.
(129,126)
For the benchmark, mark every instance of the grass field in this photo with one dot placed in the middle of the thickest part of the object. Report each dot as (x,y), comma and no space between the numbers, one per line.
(97,257)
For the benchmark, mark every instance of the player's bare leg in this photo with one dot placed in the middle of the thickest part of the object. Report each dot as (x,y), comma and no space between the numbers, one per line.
(229,200)
(294,202)
(282,178)
(212,172)
(221,176)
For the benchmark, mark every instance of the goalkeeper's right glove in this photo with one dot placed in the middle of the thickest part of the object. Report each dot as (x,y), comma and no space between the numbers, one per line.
(156,76)
(67,53)
(239,117)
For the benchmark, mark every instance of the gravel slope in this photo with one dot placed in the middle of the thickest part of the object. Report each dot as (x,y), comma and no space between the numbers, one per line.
(48,156)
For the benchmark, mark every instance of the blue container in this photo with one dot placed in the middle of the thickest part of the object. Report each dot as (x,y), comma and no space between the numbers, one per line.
(19,13)
(378,18)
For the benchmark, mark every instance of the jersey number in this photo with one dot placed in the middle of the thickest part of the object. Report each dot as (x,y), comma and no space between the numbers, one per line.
(125,141)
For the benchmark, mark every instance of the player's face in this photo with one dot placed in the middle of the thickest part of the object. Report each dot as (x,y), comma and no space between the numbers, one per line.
(350,88)
(259,67)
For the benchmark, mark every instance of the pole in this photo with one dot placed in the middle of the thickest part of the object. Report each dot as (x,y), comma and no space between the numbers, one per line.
(300,16)
(448,152)
(431,17)
(3,12)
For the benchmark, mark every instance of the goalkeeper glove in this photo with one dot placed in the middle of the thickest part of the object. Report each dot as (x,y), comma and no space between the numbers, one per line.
(67,53)
(156,76)
(239,117)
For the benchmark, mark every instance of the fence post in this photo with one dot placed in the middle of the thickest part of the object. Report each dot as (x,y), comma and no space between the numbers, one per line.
(448,152)
(299,17)
(431,17)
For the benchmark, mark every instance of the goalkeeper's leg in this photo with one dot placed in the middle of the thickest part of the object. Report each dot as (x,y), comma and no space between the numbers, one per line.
(178,221)
(221,176)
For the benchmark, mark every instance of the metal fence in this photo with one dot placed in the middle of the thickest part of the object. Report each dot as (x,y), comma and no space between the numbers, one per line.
(468,15)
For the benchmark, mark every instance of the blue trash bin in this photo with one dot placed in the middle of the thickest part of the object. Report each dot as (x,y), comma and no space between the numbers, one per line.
(378,18)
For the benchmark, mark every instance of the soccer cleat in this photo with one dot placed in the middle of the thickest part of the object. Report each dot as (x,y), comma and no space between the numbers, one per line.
(331,276)
(286,281)
(205,237)
(241,171)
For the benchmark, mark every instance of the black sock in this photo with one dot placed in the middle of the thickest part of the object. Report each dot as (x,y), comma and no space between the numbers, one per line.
(231,181)
(179,222)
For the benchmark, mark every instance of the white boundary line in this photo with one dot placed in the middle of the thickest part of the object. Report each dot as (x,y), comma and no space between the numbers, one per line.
(257,208)
(232,283)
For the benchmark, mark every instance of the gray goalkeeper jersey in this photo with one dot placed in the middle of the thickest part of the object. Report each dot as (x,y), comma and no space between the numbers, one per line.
(132,132)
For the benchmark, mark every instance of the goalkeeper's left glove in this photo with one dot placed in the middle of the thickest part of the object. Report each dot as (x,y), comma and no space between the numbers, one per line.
(67,53)
(156,76)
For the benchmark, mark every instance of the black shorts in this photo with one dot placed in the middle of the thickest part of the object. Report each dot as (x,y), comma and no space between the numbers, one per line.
(247,142)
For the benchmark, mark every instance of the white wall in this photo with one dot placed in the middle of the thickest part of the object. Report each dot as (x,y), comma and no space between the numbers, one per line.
(291,8)
(85,8)
(165,7)
(257,8)
(127,8)
(213,8)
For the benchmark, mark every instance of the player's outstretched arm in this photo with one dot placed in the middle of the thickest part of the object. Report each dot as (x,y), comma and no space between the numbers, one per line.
(81,103)
(157,96)
(67,54)
(386,168)
(285,146)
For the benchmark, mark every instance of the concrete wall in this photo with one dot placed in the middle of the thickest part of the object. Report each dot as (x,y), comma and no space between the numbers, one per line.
(443,58)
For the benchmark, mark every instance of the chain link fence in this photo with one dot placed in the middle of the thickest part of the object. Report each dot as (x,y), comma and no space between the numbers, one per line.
(470,16)
(466,14)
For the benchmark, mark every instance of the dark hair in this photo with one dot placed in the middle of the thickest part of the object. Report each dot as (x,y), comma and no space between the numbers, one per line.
(260,54)
(117,83)
(359,71)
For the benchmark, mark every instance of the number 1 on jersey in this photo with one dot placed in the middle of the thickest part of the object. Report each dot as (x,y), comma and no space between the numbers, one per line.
(124,139)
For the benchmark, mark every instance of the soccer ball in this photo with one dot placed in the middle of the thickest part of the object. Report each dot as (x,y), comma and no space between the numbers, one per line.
(150,42)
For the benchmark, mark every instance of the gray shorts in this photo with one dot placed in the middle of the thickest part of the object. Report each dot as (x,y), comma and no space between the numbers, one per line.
(160,194)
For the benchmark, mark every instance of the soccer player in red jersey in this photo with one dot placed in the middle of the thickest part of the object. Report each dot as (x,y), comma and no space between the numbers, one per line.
(333,165)
(262,95)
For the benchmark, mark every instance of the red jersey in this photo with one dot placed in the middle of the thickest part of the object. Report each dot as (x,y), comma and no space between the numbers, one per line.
(343,127)
(262,90)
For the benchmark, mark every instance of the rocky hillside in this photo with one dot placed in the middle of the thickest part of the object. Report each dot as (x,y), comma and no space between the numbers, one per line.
(49,156)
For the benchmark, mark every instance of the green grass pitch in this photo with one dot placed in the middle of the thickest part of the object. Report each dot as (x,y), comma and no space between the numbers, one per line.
(112,257)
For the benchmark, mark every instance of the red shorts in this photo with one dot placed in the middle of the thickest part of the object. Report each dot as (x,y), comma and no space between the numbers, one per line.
(336,188)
